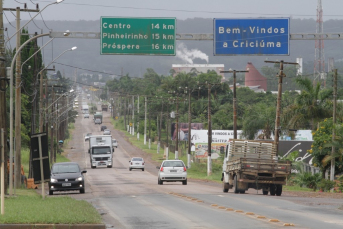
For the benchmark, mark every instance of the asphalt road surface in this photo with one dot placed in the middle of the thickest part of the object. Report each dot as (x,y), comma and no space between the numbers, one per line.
(132,199)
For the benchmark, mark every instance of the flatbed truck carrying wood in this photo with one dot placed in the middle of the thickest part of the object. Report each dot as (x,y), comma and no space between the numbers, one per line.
(253,164)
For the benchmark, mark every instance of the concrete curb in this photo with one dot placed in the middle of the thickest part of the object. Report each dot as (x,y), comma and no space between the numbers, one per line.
(52,226)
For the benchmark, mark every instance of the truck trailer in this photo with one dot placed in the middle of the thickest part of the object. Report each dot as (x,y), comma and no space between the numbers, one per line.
(254,164)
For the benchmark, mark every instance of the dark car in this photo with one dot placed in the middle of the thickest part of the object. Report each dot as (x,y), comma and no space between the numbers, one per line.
(66,176)
(103,128)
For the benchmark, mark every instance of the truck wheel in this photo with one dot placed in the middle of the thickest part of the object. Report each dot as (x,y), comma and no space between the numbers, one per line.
(51,192)
(225,187)
(272,189)
(278,190)
(93,167)
(184,182)
(109,166)
(242,192)
(265,192)
(235,188)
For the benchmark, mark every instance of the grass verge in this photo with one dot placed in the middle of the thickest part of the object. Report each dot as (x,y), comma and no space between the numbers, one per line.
(29,207)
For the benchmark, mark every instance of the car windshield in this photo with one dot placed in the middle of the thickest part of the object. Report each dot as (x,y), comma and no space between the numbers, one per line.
(102,150)
(173,164)
(114,141)
(65,168)
(89,134)
(137,159)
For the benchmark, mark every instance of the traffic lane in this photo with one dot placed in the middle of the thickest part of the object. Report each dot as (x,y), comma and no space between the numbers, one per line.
(167,211)
(274,207)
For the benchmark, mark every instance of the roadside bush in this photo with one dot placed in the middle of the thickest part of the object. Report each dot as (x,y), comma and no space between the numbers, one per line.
(326,185)
(308,180)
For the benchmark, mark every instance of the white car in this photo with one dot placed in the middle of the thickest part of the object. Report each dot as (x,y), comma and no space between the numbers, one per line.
(114,143)
(86,115)
(136,163)
(107,132)
(172,171)
(87,136)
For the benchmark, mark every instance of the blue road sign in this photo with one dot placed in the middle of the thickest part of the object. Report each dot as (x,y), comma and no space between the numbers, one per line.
(261,36)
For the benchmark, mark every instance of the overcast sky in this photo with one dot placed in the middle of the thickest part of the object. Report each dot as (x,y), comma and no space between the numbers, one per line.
(181,9)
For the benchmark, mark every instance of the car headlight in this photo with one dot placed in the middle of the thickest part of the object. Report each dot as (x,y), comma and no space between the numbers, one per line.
(79,179)
(52,180)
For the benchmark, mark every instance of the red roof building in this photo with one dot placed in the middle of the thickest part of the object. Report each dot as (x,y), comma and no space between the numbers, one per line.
(253,78)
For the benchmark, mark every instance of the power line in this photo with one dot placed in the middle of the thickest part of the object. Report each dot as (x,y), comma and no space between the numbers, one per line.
(189,11)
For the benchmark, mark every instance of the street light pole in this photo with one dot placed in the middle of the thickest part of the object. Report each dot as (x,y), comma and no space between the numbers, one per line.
(41,88)
(57,1)
(18,165)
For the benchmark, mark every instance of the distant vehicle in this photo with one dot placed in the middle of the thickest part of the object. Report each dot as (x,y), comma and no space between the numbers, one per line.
(85,109)
(98,115)
(172,171)
(87,136)
(86,115)
(136,163)
(97,121)
(114,143)
(101,151)
(104,107)
(107,132)
(103,128)
(66,176)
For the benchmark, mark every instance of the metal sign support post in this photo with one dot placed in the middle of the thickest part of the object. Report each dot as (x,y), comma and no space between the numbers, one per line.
(41,165)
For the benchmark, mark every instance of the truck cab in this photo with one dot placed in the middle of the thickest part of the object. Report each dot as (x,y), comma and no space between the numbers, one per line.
(101,151)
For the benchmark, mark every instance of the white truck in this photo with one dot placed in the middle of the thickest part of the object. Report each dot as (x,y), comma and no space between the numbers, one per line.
(253,164)
(101,151)
(85,109)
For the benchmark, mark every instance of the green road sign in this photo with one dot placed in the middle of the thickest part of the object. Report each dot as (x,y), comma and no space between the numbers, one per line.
(138,36)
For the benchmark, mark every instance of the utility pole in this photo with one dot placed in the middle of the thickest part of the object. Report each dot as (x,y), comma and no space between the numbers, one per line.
(52,128)
(332,171)
(278,105)
(17,124)
(3,87)
(234,99)
(209,133)
(17,157)
(145,114)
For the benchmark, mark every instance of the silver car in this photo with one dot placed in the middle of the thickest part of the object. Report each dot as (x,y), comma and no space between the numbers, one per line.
(172,171)
(136,163)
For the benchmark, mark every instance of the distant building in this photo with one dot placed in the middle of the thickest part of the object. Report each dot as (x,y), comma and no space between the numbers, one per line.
(254,80)
(203,68)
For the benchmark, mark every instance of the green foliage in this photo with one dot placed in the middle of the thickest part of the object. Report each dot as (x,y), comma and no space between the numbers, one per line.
(326,185)
(309,107)
(308,180)
(322,146)
(259,116)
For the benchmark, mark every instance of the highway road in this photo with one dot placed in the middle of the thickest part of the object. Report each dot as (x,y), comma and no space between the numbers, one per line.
(133,199)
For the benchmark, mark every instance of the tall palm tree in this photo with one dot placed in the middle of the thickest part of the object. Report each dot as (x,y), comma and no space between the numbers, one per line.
(309,107)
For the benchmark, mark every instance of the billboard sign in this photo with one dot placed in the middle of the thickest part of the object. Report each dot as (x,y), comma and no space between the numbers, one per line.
(261,36)
(219,140)
(138,36)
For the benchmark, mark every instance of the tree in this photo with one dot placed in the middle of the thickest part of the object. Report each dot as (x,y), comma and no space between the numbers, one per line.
(322,146)
(309,107)
(257,117)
